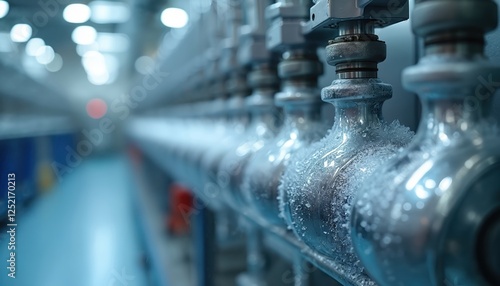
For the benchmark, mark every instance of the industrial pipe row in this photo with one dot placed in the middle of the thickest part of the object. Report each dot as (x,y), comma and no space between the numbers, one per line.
(392,207)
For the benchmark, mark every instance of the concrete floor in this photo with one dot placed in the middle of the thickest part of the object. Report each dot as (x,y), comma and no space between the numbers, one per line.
(83,233)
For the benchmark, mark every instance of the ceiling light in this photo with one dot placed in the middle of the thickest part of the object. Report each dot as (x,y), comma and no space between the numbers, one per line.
(84,35)
(113,66)
(174,17)
(33,45)
(100,79)
(4,8)
(105,12)
(76,13)
(82,49)
(44,55)
(56,64)
(94,64)
(20,33)
(112,42)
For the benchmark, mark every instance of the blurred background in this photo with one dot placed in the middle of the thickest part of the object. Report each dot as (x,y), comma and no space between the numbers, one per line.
(65,66)
(91,207)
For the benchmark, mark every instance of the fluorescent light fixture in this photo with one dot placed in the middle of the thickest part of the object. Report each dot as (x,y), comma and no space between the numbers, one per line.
(113,65)
(84,35)
(4,8)
(20,33)
(56,64)
(100,79)
(112,42)
(106,12)
(82,49)
(94,64)
(174,18)
(76,13)
(44,55)
(33,45)
(101,68)
(106,43)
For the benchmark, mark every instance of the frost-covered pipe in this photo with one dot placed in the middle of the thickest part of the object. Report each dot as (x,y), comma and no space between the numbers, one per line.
(321,181)
(430,216)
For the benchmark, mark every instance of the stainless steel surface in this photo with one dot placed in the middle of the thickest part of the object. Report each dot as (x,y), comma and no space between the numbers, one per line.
(264,171)
(211,122)
(209,142)
(329,13)
(325,177)
(425,218)
(287,245)
(319,185)
(431,17)
(492,51)
(262,79)
(253,35)
(321,181)
(263,127)
(298,70)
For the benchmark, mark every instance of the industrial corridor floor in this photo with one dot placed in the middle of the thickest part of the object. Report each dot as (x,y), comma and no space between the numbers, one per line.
(82,233)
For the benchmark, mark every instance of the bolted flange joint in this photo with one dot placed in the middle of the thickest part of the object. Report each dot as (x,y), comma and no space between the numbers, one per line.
(264,82)
(355,55)
(454,46)
(299,71)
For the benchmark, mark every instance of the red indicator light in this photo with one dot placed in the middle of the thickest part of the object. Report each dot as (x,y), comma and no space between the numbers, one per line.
(96,108)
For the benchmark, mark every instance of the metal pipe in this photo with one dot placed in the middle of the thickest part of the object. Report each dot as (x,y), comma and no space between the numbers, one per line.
(425,218)
(318,187)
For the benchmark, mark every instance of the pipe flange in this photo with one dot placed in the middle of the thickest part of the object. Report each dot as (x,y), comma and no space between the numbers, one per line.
(299,68)
(446,74)
(260,101)
(263,78)
(488,251)
(291,97)
(434,16)
(348,51)
(356,89)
